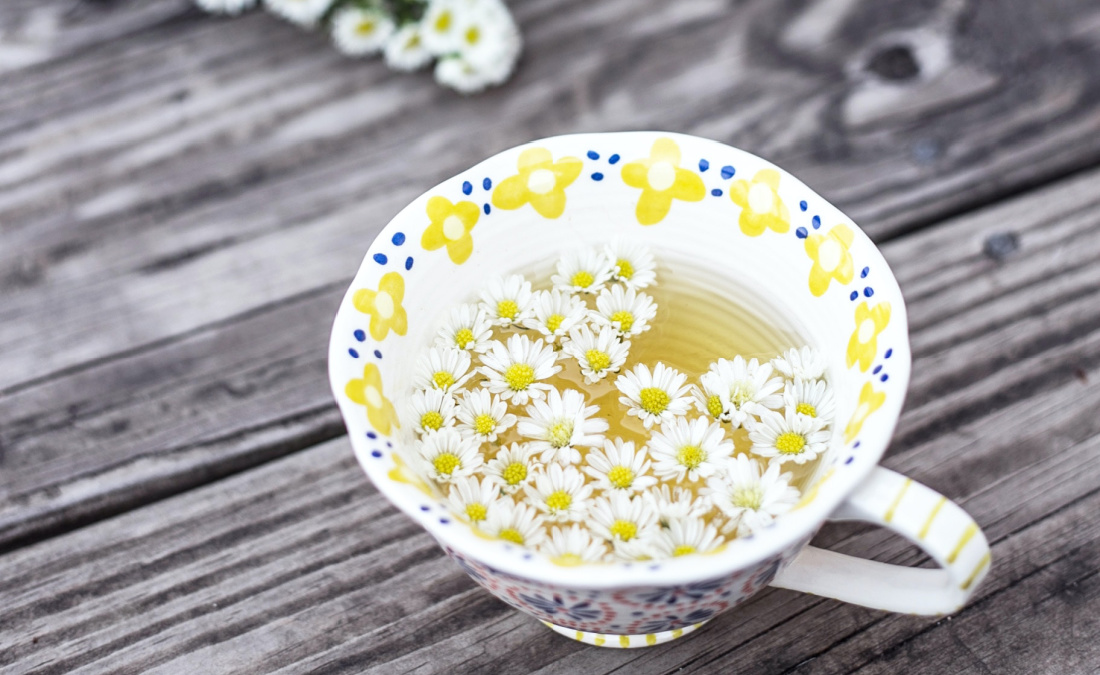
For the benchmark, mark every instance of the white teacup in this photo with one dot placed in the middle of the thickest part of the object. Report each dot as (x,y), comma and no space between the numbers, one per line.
(725,216)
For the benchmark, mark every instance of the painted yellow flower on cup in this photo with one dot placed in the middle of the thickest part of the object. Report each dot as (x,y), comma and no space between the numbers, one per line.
(541,182)
(831,257)
(450,226)
(863,345)
(384,306)
(869,401)
(368,392)
(761,207)
(661,180)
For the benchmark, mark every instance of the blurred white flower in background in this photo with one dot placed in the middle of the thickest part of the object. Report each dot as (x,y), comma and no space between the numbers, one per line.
(358,32)
(225,6)
(302,12)
(405,49)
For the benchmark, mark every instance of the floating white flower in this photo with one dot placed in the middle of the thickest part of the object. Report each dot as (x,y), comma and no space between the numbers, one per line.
(573,545)
(560,493)
(617,466)
(442,368)
(483,416)
(515,371)
(555,313)
(449,456)
(632,264)
(789,437)
(690,535)
(357,31)
(620,518)
(513,468)
(561,424)
(750,385)
(232,7)
(809,397)
(507,300)
(581,270)
(691,449)
(712,396)
(598,355)
(675,503)
(806,363)
(656,396)
(467,327)
(624,309)
(473,499)
(405,49)
(301,12)
(430,410)
(749,499)
(517,523)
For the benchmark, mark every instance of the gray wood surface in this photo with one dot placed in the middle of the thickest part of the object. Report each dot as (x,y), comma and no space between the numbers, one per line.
(183,199)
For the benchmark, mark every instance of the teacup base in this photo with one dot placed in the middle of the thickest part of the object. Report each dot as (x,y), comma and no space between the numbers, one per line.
(623,641)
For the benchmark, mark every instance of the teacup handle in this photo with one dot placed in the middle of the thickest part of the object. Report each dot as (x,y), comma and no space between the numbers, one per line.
(921,515)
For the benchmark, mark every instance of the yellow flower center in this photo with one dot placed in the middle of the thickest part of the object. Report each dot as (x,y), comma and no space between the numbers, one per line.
(365,27)
(866,330)
(413,42)
(747,498)
(514,473)
(541,181)
(625,320)
(761,198)
(445,463)
(519,376)
(661,176)
(790,443)
(654,400)
(691,456)
(569,560)
(742,392)
(511,534)
(582,279)
(373,397)
(463,337)
(829,254)
(597,361)
(560,433)
(714,406)
(507,309)
(626,270)
(442,379)
(472,35)
(484,424)
(431,420)
(621,477)
(476,512)
(453,228)
(624,529)
(682,549)
(559,500)
(443,21)
(384,305)
(554,322)
(806,409)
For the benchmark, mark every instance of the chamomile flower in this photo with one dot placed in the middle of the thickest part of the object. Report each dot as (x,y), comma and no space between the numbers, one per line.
(443,368)
(357,31)
(690,535)
(750,385)
(631,264)
(624,309)
(598,354)
(582,270)
(301,12)
(691,449)
(806,363)
(441,25)
(513,467)
(560,493)
(405,49)
(617,466)
(809,397)
(488,38)
(789,437)
(449,456)
(561,424)
(620,518)
(675,503)
(483,416)
(517,523)
(712,396)
(750,499)
(653,396)
(467,327)
(507,300)
(472,499)
(573,545)
(231,7)
(555,313)
(515,370)
(430,410)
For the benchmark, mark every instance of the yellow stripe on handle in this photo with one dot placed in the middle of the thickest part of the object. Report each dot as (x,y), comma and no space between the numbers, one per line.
(897,500)
(977,570)
(931,516)
(969,532)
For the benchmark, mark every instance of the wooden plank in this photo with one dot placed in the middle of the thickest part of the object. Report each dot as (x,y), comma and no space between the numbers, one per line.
(241,162)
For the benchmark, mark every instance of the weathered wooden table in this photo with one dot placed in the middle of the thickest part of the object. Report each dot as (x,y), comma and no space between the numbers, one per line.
(184,198)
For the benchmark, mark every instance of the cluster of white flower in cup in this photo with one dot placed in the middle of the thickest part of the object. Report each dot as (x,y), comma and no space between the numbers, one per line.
(564,487)
(476,42)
